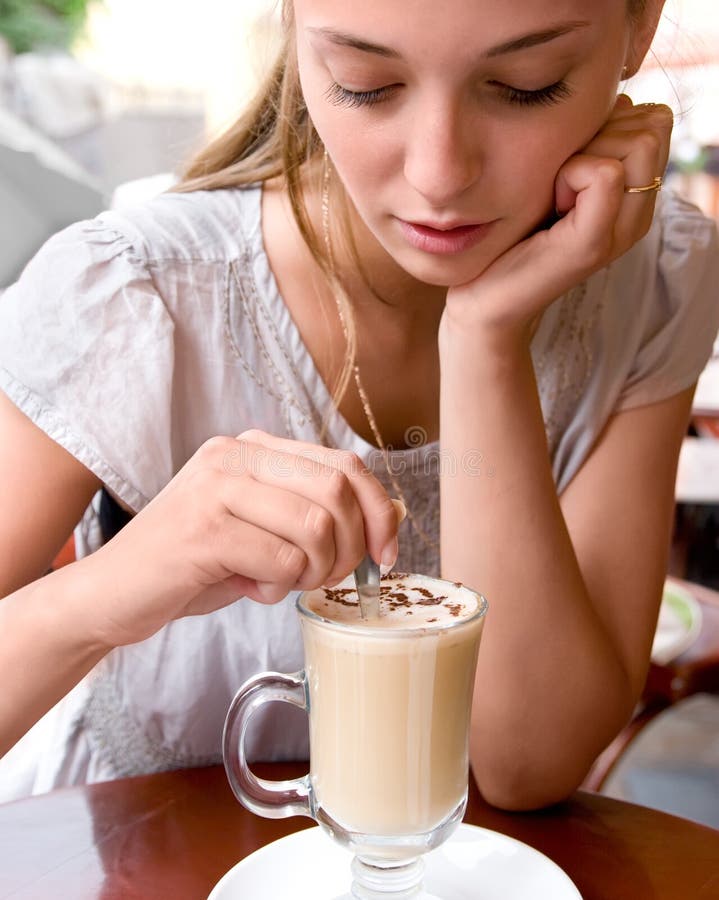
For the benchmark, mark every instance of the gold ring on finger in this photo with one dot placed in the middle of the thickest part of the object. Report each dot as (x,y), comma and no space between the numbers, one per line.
(656,185)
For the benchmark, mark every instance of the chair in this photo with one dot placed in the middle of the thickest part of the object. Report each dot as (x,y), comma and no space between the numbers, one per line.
(667,757)
(66,555)
(672,761)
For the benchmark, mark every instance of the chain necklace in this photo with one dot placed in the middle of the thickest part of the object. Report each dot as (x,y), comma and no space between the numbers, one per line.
(426,539)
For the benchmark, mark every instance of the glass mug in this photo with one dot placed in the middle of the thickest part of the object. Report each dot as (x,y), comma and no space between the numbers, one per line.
(389,703)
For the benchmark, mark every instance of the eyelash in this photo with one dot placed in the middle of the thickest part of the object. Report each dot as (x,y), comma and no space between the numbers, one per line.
(553,93)
(342,97)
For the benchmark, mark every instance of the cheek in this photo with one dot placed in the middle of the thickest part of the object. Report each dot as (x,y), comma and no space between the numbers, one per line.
(365,163)
(529,159)
(520,172)
(357,154)
(366,160)
(349,142)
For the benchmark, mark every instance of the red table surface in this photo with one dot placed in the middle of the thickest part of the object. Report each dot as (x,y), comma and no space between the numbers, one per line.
(174,834)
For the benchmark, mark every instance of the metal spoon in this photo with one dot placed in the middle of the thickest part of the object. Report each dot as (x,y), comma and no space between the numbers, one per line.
(367,583)
(367,575)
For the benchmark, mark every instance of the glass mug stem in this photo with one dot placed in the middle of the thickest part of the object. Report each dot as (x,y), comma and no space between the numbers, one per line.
(402,881)
(272,799)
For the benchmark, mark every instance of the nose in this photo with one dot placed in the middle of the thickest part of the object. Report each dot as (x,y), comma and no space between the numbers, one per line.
(442,153)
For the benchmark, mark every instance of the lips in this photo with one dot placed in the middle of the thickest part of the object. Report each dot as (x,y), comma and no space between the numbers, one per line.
(446,238)
(445,226)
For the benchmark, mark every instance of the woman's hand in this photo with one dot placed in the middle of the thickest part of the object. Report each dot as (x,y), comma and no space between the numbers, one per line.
(254,516)
(598,222)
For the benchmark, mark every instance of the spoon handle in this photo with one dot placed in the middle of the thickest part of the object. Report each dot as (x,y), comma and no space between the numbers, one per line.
(367,581)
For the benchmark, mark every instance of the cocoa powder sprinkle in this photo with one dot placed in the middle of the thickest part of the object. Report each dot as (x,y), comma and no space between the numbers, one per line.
(396,595)
(431,601)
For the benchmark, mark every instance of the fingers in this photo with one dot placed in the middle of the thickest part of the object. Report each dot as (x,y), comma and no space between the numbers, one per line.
(269,592)
(269,515)
(362,516)
(656,114)
(261,564)
(631,150)
(585,237)
(639,137)
(243,518)
(400,510)
(303,521)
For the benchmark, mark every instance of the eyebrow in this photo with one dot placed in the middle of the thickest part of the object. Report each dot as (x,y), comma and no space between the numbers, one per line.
(523,42)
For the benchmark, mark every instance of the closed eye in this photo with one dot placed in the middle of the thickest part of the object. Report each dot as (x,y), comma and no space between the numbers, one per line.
(547,96)
(340,96)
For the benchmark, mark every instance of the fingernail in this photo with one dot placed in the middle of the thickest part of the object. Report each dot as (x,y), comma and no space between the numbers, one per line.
(400,509)
(270,592)
(390,552)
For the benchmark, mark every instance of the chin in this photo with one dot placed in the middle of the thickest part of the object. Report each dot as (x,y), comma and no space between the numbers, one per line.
(445,272)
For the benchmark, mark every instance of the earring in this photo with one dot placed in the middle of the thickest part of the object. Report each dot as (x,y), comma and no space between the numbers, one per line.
(625,73)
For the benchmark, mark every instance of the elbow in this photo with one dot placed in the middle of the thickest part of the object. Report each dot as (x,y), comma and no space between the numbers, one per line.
(524,798)
(516,787)
(535,770)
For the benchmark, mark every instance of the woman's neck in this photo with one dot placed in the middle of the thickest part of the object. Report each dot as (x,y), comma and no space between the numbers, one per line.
(396,320)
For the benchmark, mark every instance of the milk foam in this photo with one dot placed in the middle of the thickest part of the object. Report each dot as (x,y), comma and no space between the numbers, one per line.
(406,601)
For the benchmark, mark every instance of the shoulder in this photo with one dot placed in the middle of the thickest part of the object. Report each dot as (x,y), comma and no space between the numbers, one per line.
(676,263)
(681,220)
(668,314)
(688,253)
(198,226)
(170,230)
(681,236)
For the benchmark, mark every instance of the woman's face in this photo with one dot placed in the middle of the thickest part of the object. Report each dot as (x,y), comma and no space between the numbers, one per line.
(456,116)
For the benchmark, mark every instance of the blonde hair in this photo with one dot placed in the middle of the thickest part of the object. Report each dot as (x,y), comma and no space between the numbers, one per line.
(275,138)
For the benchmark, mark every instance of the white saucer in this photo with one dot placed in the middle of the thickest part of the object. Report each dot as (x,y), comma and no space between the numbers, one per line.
(473,863)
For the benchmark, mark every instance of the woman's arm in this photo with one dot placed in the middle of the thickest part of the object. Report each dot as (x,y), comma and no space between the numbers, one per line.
(244,517)
(574,589)
(44,492)
(47,645)
(43,648)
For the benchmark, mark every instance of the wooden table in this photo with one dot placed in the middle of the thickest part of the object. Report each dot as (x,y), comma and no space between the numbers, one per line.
(174,834)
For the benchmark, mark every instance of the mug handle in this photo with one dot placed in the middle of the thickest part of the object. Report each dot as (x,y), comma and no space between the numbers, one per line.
(272,799)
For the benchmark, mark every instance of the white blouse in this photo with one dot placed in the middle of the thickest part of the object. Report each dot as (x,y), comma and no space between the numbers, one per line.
(132,338)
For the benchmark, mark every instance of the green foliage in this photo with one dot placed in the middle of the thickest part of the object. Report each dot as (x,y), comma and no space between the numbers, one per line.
(39,24)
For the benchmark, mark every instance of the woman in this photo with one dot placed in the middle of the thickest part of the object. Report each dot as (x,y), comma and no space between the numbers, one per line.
(457,199)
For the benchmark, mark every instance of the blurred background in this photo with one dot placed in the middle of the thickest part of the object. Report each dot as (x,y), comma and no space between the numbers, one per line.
(101,101)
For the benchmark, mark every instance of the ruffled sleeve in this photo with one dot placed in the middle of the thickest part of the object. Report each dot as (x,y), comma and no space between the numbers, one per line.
(681,312)
(86,352)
